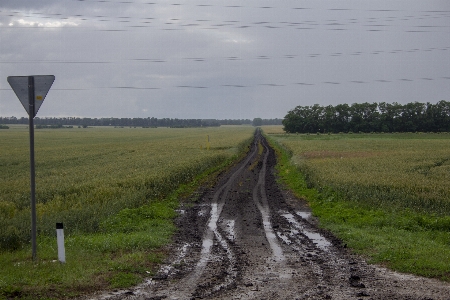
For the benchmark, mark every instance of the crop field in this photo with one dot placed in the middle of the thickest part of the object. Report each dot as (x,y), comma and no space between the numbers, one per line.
(402,170)
(109,186)
(384,194)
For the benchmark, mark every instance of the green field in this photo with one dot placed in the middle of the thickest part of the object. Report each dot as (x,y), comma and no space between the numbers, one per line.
(385,195)
(115,190)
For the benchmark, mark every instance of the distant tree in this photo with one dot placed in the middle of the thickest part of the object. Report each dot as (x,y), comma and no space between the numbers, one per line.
(369,117)
(296,120)
(257,122)
(275,121)
(342,118)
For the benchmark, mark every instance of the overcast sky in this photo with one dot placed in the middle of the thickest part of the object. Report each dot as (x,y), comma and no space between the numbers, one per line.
(224,59)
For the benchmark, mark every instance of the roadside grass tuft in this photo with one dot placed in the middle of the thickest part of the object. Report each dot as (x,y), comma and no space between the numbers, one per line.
(123,280)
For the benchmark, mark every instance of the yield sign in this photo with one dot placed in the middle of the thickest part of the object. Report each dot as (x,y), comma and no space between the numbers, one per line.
(23,87)
(31,91)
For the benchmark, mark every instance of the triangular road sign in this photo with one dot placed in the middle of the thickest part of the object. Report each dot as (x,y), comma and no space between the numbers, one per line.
(42,84)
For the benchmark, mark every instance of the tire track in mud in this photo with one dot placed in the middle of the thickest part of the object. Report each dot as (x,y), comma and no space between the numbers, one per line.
(260,198)
(212,232)
(247,238)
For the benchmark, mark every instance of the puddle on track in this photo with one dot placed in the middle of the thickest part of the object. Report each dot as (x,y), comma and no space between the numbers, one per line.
(304,214)
(318,239)
(272,239)
(229,229)
(284,238)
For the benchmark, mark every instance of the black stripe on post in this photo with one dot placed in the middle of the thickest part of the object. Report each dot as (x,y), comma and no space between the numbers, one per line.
(59,226)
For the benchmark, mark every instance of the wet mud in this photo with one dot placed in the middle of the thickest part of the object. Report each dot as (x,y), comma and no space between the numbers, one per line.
(248,238)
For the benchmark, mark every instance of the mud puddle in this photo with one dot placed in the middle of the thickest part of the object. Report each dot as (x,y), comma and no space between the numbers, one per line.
(315,237)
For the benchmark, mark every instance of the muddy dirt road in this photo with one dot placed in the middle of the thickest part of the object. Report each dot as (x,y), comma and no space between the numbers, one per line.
(247,238)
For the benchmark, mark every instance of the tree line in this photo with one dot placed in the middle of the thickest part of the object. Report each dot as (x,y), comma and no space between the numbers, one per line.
(369,117)
(260,122)
(121,122)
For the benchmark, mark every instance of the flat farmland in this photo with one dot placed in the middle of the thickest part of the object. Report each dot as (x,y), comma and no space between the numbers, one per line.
(402,170)
(385,195)
(108,186)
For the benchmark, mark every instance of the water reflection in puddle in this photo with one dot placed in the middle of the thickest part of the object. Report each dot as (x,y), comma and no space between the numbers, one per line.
(272,238)
(229,229)
(284,238)
(304,214)
(318,239)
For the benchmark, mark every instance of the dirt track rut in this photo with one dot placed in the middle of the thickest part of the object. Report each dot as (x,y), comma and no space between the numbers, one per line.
(247,238)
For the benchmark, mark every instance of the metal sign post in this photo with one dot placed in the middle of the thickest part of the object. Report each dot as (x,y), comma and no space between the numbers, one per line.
(30,89)
(32,170)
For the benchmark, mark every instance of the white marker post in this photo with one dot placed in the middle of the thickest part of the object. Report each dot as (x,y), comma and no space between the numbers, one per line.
(60,242)
(31,91)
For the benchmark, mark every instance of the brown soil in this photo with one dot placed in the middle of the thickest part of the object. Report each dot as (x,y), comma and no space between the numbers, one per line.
(248,238)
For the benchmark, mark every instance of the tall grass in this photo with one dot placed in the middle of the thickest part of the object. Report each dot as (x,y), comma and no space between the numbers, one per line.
(402,171)
(85,176)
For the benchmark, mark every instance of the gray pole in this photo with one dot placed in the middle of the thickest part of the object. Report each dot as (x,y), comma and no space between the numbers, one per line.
(32,172)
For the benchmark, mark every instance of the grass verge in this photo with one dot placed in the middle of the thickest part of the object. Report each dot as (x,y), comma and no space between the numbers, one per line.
(403,240)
